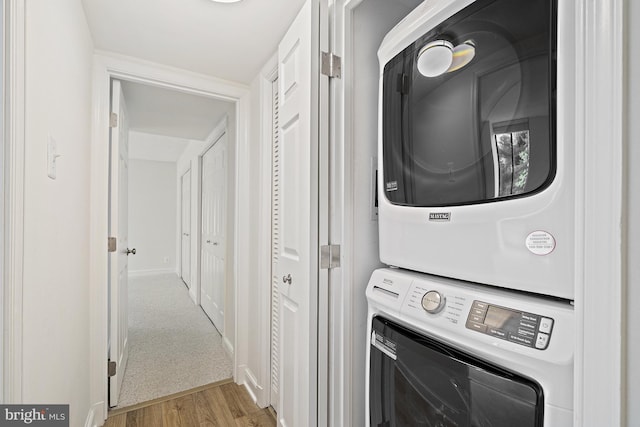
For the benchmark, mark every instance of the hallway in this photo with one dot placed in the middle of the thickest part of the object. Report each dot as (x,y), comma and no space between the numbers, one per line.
(173,345)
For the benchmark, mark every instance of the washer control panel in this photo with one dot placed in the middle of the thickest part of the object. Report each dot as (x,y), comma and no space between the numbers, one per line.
(527,329)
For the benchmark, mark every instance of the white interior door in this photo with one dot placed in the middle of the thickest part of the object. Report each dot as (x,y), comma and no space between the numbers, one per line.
(295,264)
(214,223)
(118,227)
(185,253)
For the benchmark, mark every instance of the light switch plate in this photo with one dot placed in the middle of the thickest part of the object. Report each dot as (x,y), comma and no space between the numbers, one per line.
(52,155)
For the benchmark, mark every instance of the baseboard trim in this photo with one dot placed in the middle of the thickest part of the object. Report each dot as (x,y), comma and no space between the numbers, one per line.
(142,273)
(251,384)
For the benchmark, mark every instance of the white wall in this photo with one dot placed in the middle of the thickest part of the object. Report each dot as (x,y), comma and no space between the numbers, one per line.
(371,20)
(2,149)
(152,216)
(56,224)
(633,213)
(148,146)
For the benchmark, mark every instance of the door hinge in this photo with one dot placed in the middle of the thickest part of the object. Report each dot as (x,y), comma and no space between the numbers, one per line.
(331,65)
(329,256)
(112,244)
(111,368)
(113,120)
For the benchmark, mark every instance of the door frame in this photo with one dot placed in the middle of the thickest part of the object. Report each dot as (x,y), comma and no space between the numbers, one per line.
(106,67)
(13,160)
(267,76)
(182,176)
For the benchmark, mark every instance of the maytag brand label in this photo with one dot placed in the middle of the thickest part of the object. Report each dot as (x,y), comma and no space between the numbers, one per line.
(440,216)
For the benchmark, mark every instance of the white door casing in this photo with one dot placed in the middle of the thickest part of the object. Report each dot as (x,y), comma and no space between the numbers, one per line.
(185,236)
(118,227)
(105,67)
(296,263)
(213,241)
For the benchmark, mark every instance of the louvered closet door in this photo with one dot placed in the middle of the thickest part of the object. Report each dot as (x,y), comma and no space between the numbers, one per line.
(275,241)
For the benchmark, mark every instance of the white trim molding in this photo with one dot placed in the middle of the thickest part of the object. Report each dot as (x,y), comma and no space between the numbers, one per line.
(13,169)
(268,75)
(228,347)
(106,67)
(144,273)
(599,130)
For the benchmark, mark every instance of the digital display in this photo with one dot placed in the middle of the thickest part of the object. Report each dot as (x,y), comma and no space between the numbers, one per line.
(501,318)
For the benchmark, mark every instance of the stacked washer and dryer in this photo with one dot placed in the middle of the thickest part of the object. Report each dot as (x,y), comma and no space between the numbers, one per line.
(472,324)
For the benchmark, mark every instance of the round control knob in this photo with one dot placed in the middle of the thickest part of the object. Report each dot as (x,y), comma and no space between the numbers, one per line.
(433,302)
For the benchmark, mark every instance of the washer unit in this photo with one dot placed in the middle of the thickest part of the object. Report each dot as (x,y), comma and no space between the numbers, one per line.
(446,353)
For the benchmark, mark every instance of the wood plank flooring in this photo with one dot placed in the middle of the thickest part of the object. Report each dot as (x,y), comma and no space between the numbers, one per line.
(221,405)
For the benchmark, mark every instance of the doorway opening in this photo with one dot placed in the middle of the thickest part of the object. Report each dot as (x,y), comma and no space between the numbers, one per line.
(171,207)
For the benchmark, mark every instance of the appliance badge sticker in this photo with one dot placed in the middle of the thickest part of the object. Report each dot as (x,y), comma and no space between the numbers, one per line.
(440,216)
(540,243)
(384,344)
(392,186)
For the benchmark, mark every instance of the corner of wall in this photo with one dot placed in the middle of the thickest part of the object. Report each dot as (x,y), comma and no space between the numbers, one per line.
(95,417)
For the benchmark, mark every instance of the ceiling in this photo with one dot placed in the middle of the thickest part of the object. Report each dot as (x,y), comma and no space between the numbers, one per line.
(168,112)
(229,41)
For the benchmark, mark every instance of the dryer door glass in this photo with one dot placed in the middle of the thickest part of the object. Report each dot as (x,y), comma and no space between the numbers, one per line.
(417,381)
(481,127)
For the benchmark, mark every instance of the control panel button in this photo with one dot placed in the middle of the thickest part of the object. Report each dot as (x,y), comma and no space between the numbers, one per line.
(478,312)
(477,326)
(528,325)
(526,332)
(480,305)
(542,340)
(498,333)
(433,302)
(521,340)
(545,325)
(476,319)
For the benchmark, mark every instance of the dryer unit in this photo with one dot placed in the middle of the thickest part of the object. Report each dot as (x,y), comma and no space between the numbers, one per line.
(476,143)
(443,353)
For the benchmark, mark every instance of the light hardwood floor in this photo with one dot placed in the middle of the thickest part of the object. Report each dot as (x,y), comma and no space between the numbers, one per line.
(224,405)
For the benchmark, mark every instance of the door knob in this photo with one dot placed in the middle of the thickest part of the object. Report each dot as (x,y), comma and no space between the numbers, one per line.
(287,279)
(131,251)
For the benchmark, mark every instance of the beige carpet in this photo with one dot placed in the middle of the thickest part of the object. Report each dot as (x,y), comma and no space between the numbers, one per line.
(173,344)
